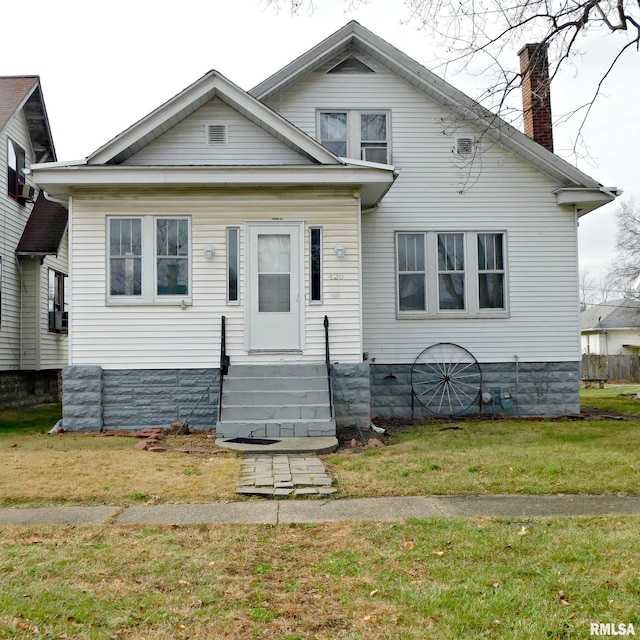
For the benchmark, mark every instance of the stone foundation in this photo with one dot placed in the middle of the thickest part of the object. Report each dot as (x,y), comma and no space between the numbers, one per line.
(526,389)
(351,395)
(28,388)
(96,399)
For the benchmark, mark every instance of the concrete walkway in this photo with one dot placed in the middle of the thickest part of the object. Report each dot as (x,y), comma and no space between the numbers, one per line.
(289,511)
(283,475)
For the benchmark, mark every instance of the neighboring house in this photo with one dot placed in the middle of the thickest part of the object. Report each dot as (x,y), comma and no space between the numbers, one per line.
(611,328)
(33,253)
(355,185)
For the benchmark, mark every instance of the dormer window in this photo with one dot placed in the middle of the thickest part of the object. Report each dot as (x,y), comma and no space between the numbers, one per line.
(363,135)
(15,170)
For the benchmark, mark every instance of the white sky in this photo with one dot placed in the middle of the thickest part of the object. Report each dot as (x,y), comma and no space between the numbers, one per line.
(105,65)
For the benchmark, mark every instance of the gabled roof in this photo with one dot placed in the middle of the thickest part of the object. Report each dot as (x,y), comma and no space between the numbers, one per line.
(613,314)
(24,92)
(590,193)
(44,229)
(211,85)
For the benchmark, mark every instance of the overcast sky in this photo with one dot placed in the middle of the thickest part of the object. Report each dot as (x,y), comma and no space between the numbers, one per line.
(105,65)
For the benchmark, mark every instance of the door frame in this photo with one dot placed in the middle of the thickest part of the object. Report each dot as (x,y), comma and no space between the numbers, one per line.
(298,297)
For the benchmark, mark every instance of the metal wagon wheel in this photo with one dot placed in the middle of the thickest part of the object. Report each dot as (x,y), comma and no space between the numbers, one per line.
(446,379)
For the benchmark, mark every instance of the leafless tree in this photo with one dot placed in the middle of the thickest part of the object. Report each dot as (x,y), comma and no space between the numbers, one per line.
(595,289)
(482,37)
(626,269)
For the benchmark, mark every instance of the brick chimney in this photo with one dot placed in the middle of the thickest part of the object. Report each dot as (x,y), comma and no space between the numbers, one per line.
(536,97)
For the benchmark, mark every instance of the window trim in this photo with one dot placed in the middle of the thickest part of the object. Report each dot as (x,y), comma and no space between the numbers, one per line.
(236,300)
(149,264)
(354,141)
(472,272)
(60,285)
(320,299)
(13,190)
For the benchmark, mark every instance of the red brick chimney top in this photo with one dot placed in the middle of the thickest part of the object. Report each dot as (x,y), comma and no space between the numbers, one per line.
(536,97)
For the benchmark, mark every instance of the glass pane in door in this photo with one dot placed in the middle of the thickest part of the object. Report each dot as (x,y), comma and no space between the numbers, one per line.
(274,273)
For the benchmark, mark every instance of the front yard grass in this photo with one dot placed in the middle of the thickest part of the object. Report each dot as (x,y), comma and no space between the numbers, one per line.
(465,457)
(442,579)
(494,457)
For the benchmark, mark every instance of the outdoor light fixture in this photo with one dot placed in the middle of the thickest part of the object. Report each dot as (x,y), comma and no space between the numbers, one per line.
(340,250)
(208,251)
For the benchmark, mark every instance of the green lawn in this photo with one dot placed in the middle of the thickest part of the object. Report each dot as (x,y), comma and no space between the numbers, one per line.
(442,579)
(38,419)
(614,399)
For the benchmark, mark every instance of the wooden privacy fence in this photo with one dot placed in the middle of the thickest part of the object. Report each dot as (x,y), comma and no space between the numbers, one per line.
(613,368)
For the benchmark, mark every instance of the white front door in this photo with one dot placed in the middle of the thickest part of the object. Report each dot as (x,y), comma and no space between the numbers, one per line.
(275,300)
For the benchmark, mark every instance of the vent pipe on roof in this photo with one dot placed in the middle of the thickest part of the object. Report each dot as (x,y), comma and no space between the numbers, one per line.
(536,96)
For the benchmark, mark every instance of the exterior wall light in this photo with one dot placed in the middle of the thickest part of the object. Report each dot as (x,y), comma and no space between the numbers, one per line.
(208,251)
(340,250)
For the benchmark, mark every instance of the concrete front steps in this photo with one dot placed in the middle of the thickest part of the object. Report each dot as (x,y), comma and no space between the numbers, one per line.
(275,401)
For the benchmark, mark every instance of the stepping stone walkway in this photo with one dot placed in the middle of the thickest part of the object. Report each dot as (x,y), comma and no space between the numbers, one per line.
(284,475)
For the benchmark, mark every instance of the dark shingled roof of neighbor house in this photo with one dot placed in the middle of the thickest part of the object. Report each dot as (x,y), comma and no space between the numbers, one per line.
(613,314)
(13,91)
(44,229)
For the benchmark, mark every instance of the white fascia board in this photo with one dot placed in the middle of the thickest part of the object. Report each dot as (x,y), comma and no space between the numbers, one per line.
(268,119)
(211,85)
(60,181)
(586,199)
(432,85)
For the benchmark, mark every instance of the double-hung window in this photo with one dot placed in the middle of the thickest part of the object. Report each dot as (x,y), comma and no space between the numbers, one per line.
(149,259)
(411,272)
(356,134)
(491,272)
(451,274)
(15,169)
(58,307)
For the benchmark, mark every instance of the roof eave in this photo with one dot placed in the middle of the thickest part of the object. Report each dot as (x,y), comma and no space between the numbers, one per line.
(195,95)
(373,181)
(586,199)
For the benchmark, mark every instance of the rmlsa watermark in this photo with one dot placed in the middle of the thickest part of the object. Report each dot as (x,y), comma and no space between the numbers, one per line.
(612,629)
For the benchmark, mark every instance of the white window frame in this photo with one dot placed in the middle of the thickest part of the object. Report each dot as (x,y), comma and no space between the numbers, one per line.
(354,142)
(236,300)
(149,261)
(471,272)
(320,230)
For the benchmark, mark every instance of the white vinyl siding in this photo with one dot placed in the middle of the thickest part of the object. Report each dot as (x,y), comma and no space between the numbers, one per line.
(188,142)
(437,192)
(169,336)
(13,353)
(41,348)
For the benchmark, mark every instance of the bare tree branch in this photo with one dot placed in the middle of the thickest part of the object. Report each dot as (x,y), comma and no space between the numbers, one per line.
(486,32)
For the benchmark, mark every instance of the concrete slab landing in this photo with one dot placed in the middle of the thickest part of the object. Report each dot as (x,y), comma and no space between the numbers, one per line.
(293,446)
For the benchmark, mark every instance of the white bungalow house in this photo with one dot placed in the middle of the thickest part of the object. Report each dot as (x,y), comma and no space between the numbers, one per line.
(33,253)
(354,195)
(611,328)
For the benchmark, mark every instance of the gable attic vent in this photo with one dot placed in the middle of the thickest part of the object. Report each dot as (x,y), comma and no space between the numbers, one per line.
(351,65)
(217,134)
(464,146)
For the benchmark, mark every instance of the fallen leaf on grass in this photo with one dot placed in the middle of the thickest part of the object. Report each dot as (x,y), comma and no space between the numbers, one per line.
(373,593)
(563,599)
(437,553)
(409,544)
(523,531)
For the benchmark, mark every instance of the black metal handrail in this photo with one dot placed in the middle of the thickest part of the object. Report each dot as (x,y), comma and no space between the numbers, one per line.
(328,363)
(224,361)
